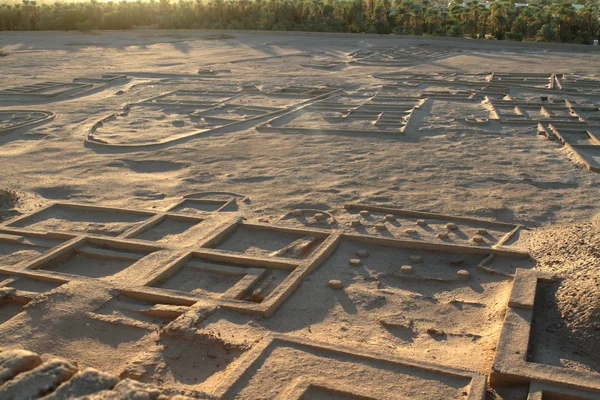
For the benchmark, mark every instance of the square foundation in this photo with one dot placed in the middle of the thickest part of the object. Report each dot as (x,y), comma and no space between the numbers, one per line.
(270,241)
(73,218)
(94,258)
(170,228)
(19,247)
(199,206)
(232,278)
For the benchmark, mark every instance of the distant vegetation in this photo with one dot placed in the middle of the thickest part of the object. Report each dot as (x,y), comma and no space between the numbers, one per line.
(543,20)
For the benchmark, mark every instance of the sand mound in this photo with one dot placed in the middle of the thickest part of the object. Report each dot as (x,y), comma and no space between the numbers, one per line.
(8,202)
(579,304)
(573,253)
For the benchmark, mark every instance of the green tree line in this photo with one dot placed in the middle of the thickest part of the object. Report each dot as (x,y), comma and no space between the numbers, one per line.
(544,20)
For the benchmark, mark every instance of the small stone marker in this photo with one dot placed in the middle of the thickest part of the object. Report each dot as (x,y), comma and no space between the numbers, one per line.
(442,235)
(415,259)
(477,239)
(380,227)
(355,262)
(336,284)
(451,226)
(407,269)
(355,222)
(421,222)
(410,231)
(482,231)
(390,217)
(319,216)
(463,274)
(298,213)
(364,213)
(362,253)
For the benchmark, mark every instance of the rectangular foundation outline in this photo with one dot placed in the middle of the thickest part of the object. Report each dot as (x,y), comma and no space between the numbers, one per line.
(565,140)
(476,392)
(156,220)
(510,365)
(590,165)
(303,101)
(152,219)
(225,204)
(219,236)
(78,242)
(538,390)
(77,206)
(267,126)
(553,133)
(299,268)
(302,386)
(251,263)
(573,119)
(69,87)
(410,56)
(511,80)
(421,214)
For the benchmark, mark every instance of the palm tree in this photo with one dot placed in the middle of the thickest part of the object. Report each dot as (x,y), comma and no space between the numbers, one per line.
(433,19)
(547,33)
(473,21)
(563,15)
(589,23)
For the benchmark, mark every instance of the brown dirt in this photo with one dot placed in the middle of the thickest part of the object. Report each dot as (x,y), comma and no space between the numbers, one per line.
(8,201)
(442,164)
(572,252)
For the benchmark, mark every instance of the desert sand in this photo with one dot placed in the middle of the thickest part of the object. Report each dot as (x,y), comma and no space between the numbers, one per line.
(289,216)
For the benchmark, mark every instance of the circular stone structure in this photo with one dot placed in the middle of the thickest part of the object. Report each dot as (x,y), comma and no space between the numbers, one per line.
(355,223)
(451,226)
(421,222)
(364,213)
(390,217)
(442,235)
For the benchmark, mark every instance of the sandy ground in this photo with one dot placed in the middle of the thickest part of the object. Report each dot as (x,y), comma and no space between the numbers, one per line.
(495,171)
(318,172)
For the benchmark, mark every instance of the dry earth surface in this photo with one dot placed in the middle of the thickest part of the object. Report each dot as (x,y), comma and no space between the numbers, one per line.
(288,216)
